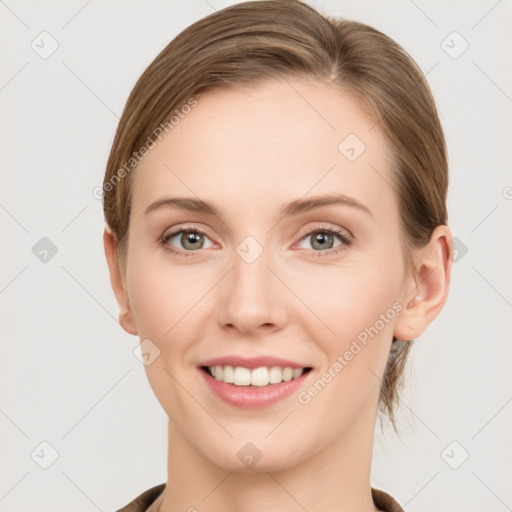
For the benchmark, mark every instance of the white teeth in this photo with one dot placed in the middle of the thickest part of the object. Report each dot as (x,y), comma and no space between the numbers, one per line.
(287,374)
(242,376)
(261,376)
(297,373)
(228,374)
(275,375)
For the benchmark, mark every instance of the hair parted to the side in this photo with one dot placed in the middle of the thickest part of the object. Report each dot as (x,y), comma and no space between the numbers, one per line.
(255,41)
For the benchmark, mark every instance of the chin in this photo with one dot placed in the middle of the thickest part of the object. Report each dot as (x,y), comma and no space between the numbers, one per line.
(255,457)
(263,465)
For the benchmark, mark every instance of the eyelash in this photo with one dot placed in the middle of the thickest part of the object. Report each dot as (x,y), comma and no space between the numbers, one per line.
(345,239)
(169,248)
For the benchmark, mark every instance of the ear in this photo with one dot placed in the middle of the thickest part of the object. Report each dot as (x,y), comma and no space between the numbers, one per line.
(118,284)
(427,290)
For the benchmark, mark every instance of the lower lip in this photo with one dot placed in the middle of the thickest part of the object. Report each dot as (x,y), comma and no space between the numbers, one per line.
(252,397)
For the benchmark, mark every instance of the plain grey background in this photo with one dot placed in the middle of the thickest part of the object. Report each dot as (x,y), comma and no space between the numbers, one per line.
(70,378)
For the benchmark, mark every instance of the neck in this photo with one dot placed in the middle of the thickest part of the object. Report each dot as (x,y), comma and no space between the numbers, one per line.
(335,478)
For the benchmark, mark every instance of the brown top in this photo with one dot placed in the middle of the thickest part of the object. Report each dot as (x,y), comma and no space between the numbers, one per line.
(149,500)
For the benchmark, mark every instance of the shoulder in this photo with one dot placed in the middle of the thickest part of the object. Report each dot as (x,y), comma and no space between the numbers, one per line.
(144,500)
(385,501)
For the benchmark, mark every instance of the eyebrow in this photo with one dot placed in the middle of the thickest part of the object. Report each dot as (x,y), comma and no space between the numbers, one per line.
(295,207)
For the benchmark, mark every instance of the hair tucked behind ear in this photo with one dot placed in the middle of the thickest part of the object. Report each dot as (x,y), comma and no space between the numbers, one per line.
(259,40)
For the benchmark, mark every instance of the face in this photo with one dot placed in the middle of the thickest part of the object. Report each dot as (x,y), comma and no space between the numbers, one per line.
(317,286)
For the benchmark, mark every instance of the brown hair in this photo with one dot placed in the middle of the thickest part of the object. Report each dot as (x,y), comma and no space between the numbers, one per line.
(253,41)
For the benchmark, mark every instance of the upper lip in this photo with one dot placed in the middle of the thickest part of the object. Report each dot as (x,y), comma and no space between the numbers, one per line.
(253,362)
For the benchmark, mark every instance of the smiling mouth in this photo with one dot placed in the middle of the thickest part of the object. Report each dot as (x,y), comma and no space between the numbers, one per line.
(257,377)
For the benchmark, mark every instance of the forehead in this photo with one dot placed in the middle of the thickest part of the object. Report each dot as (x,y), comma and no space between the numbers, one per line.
(277,140)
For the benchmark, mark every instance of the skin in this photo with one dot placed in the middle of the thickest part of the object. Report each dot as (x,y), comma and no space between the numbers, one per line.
(249,152)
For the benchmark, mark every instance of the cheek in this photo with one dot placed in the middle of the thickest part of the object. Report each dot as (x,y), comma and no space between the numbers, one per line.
(358,303)
(355,309)
(360,307)
(164,297)
(349,299)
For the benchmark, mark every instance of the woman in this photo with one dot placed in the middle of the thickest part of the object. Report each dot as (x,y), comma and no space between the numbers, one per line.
(276,236)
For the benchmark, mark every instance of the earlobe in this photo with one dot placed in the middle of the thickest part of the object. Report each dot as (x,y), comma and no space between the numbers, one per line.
(126,318)
(427,290)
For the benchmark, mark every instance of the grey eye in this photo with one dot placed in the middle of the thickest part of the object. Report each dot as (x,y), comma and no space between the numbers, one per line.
(190,240)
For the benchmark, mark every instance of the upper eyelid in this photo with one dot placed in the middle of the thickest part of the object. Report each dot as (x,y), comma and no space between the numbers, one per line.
(323,227)
(188,227)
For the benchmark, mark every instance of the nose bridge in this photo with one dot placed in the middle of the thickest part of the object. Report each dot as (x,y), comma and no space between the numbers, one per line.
(249,297)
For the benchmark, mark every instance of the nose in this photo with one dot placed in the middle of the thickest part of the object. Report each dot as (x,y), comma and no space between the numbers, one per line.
(252,299)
